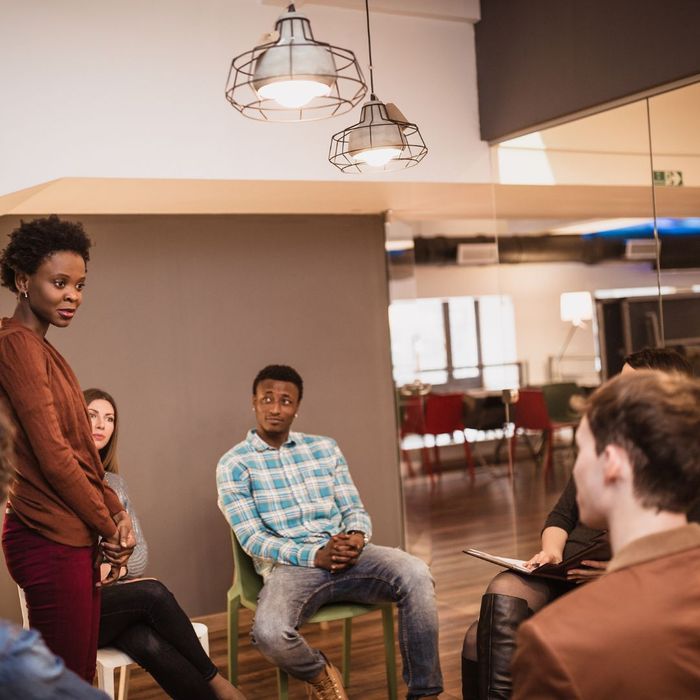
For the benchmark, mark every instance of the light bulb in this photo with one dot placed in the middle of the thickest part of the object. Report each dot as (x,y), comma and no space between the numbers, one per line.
(377,157)
(294,93)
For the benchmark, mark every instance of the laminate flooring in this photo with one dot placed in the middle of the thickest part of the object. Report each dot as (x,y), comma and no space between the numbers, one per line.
(442,518)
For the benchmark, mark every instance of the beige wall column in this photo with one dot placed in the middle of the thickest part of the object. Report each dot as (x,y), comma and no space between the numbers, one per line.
(180,312)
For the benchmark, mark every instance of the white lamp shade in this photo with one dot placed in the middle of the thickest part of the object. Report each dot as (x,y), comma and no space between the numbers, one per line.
(576,307)
(295,70)
(291,77)
(375,140)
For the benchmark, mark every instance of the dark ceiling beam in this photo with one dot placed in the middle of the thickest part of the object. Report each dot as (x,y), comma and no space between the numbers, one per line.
(541,62)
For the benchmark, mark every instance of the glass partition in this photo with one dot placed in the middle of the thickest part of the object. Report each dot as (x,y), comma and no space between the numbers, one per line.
(673,319)
(582,261)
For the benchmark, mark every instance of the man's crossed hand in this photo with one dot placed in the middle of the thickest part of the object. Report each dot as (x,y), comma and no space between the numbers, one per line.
(340,552)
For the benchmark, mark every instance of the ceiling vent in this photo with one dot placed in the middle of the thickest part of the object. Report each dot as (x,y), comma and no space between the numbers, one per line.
(640,249)
(477,254)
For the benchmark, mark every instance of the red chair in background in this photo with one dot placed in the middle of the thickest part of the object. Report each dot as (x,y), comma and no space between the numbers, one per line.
(531,413)
(413,423)
(444,414)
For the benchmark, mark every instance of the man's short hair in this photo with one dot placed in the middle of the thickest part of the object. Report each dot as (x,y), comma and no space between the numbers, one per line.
(655,417)
(664,359)
(280,373)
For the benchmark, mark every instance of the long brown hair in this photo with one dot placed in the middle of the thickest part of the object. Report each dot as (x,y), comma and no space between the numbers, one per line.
(108,454)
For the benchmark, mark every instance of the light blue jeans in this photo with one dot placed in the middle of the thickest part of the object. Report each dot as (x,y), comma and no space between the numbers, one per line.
(28,670)
(292,594)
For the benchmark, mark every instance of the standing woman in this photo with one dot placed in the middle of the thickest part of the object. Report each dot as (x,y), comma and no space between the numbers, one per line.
(58,504)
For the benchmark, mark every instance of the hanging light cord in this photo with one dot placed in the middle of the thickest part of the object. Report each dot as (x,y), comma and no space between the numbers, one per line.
(369,51)
(657,240)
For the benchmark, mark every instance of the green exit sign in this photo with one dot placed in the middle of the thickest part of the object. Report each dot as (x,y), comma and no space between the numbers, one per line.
(668,178)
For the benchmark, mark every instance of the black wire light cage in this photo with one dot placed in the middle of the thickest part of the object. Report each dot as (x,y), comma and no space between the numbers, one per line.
(292,77)
(382,141)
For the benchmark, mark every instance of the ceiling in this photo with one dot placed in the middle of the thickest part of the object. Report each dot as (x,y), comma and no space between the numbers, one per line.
(407,201)
(601,164)
(455,10)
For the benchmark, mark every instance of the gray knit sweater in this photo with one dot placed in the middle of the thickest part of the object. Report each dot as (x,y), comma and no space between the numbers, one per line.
(139,558)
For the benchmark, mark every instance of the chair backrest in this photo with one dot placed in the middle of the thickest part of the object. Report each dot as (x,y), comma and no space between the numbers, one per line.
(247,582)
(444,413)
(557,397)
(412,416)
(531,410)
(23,608)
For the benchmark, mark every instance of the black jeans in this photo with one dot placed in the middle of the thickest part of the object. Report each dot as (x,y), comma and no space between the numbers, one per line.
(144,620)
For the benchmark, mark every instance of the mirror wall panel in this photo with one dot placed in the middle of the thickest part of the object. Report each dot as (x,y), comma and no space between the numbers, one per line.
(554,282)
(580,243)
(673,320)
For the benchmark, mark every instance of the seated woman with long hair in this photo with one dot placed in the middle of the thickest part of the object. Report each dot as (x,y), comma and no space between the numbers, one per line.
(140,616)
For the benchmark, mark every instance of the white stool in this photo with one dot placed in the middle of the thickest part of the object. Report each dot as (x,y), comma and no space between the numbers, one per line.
(110,659)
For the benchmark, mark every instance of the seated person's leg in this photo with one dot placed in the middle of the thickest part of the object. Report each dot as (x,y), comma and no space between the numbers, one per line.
(170,669)
(470,683)
(150,602)
(290,596)
(508,601)
(384,574)
(30,670)
(143,619)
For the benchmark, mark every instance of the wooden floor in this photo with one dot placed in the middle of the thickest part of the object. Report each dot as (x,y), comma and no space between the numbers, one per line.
(492,513)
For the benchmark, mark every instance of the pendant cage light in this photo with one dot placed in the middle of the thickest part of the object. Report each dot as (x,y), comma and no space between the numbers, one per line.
(383,140)
(292,77)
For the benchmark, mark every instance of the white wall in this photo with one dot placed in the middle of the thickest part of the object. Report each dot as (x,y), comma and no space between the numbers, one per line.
(535,290)
(136,89)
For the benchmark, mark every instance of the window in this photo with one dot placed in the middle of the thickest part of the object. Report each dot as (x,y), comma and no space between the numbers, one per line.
(470,340)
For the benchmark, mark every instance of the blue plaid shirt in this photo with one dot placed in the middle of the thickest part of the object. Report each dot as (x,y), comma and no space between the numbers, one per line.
(284,504)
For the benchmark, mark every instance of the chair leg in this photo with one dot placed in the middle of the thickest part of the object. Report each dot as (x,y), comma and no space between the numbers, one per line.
(513,445)
(427,464)
(536,454)
(389,649)
(105,681)
(438,463)
(407,458)
(124,675)
(550,456)
(347,643)
(233,608)
(282,684)
(469,457)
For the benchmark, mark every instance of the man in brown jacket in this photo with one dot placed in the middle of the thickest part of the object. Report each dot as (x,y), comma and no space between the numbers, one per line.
(635,633)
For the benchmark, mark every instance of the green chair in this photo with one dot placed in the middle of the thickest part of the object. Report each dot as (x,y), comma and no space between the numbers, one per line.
(244,592)
(557,397)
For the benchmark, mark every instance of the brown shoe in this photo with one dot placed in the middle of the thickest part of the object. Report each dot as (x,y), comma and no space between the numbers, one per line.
(327,686)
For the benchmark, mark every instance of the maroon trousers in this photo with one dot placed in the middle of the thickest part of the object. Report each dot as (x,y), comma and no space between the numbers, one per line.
(59,584)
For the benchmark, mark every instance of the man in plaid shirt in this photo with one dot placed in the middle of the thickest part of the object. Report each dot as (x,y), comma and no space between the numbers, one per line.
(294,508)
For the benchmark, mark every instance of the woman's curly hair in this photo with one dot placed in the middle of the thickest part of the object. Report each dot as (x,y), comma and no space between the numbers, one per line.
(34,241)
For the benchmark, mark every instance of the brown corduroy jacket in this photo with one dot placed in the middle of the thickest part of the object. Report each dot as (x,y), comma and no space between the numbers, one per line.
(58,488)
(634,633)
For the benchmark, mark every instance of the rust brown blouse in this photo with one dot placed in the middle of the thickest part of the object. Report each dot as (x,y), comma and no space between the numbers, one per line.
(58,488)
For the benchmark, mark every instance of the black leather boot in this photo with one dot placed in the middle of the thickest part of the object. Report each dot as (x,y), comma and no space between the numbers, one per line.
(499,620)
(470,679)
